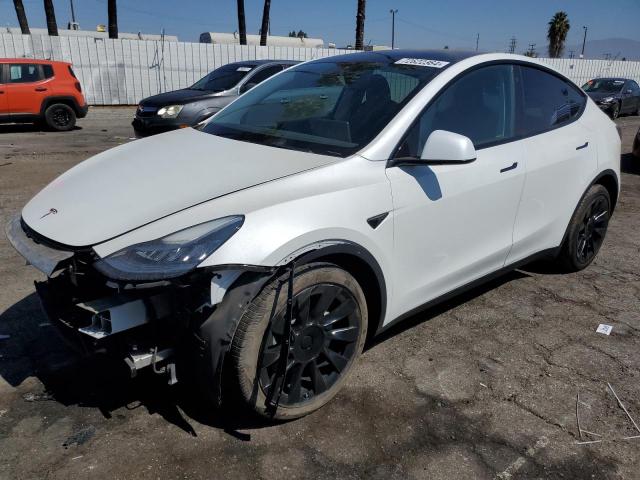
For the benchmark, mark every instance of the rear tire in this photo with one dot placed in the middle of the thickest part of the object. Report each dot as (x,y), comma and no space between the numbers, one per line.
(60,117)
(587,230)
(327,336)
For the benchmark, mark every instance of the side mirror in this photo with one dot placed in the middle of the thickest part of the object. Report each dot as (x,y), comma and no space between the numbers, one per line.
(247,86)
(441,147)
(448,147)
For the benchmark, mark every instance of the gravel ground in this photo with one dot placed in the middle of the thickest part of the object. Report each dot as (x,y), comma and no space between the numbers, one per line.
(484,386)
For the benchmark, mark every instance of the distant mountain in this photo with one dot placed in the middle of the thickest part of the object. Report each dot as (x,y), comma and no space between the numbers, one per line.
(617,47)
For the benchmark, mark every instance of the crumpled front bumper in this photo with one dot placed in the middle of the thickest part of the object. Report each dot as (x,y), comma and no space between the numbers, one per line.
(46,259)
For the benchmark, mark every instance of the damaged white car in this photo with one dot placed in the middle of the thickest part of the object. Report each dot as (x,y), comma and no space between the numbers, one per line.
(334,199)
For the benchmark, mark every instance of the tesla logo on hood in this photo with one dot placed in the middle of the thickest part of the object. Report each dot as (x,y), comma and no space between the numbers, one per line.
(50,212)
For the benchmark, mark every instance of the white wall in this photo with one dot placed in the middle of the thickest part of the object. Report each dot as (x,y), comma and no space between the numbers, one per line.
(122,72)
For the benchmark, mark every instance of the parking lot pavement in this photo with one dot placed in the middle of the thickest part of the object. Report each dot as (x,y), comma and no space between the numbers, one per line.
(484,386)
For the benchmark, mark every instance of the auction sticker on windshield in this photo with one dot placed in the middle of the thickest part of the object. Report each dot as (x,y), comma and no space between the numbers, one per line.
(422,62)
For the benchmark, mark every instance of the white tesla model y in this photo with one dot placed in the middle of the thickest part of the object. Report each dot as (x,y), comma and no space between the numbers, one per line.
(342,195)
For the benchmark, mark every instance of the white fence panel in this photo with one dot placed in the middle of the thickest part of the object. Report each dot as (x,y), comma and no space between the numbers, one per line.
(123,71)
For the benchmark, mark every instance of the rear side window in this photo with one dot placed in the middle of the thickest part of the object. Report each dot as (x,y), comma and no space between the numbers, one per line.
(47,70)
(548,102)
(72,72)
(479,105)
(24,73)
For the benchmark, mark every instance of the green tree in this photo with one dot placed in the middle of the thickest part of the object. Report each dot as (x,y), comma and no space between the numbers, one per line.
(360,24)
(22,17)
(557,34)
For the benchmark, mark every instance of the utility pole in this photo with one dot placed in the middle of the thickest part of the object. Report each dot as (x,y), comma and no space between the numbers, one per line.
(22,17)
(512,45)
(393,27)
(584,40)
(532,50)
(477,41)
(571,54)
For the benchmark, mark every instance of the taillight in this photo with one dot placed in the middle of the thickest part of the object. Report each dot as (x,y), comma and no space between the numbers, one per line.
(78,87)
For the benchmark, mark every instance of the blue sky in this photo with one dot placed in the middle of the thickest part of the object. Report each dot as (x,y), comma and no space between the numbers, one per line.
(420,23)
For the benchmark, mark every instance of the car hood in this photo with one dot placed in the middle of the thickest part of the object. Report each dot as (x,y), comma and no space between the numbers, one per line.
(599,95)
(134,184)
(177,97)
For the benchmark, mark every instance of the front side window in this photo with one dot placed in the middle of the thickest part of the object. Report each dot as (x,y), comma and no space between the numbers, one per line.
(23,73)
(223,78)
(548,101)
(479,105)
(327,107)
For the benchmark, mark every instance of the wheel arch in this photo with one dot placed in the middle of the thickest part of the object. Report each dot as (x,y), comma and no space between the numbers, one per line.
(360,263)
(69,101)
(609,180)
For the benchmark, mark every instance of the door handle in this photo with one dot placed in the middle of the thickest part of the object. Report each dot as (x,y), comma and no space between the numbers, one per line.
(586,144)
(511,167)
(41,89)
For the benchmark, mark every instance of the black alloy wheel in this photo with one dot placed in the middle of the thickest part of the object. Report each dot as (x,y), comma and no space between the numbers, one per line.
(593,230)
(328,331)
(324,336)
(586,231)
(60,117)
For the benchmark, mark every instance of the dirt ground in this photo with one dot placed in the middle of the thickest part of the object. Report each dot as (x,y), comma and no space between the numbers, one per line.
(482,387)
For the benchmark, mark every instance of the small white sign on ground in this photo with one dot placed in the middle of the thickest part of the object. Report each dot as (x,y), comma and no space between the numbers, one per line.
(604,329)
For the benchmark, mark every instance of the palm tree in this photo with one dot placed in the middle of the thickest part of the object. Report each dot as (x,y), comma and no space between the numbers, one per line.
(22,17)
(52,26)
(112,10)
(242,26)
(360,24)
(264,31)
(557,34)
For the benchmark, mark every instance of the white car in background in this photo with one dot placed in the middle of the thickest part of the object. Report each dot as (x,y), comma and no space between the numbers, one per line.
(327,203)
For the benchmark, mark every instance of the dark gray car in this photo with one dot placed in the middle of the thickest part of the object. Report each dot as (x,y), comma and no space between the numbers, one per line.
(190,106)
(614,96)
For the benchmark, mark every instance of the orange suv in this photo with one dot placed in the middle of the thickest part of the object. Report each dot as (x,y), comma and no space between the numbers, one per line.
(40,91)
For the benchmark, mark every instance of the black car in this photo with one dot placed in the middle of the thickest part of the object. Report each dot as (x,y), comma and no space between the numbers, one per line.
(636,145)
(190,106)
(615,96)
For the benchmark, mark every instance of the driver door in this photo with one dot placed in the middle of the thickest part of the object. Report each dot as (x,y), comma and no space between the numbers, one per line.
(454,223)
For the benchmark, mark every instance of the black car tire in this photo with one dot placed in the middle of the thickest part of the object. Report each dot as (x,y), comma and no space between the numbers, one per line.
(60,117)
(586,231)
(615,111)
(315,343)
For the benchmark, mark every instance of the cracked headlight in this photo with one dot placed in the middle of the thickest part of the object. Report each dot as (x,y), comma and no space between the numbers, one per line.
(172,111)
(172,255)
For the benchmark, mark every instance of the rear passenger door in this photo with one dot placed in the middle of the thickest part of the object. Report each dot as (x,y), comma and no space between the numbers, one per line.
(25,88)
(560,159)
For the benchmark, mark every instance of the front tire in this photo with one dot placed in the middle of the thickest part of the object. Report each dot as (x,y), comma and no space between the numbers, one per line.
(615,111)
(328,332)
(60,117)
(587,230)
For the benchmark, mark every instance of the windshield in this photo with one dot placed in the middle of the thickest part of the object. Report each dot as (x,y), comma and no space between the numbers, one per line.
(223,78)
(324,107)
(604,85)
